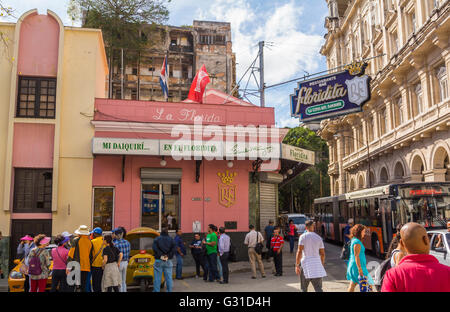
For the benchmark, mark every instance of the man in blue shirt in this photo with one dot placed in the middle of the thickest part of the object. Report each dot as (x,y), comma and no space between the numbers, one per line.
(224,253)
(269,233)
(124,246)
(347,230)
(164,248)
(181,251)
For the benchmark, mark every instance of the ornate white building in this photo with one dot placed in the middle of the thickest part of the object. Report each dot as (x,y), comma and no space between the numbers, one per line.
(403,133)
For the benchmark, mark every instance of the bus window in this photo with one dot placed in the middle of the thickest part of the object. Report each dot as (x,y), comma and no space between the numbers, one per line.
(351,210)
(403,214)
(343,213)
(364,210)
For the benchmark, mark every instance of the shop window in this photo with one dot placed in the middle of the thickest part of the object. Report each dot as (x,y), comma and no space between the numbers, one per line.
(32,190)
(36,97)
(103,208)
(161,206)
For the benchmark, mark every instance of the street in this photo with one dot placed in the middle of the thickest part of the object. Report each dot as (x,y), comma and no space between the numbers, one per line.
(240,280)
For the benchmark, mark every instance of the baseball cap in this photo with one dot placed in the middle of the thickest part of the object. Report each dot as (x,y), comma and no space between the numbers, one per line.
(117,231)
(97,230)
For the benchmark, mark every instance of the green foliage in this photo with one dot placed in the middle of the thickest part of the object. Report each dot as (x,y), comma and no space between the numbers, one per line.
(121,21)
(306,186)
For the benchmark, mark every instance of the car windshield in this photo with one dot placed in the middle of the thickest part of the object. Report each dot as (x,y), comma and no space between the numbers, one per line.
(142,243)
(298,220)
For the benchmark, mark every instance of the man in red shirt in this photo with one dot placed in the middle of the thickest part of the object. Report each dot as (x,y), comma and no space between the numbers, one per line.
(276,245)
(417,271)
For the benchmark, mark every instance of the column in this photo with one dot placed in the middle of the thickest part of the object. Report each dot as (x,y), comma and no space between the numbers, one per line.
(426,87)
(405,108)
(341,152)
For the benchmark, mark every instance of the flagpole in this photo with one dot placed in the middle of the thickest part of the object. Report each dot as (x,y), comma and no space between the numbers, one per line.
(167,73)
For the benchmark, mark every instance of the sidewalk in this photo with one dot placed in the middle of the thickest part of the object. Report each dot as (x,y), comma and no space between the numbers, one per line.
(244,266)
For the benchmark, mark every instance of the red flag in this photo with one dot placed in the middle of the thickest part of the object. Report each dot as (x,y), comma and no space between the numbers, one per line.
(198,85)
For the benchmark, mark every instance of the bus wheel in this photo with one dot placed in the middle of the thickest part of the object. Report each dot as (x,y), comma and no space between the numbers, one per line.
(376,248)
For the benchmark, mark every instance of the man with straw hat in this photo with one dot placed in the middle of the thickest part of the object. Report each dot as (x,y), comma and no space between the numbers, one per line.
(82,252)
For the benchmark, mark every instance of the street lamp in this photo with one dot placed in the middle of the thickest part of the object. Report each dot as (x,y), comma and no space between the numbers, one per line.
(336,136)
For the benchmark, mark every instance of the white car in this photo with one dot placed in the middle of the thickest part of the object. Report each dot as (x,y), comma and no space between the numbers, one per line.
(299,221)
(440,245)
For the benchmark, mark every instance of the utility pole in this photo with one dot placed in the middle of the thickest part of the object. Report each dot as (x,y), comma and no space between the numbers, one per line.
(261,74)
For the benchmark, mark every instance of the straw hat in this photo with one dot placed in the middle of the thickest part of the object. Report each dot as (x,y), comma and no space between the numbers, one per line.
(83,230)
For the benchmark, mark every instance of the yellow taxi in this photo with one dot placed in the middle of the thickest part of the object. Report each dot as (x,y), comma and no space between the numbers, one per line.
(140,266)
(16,279)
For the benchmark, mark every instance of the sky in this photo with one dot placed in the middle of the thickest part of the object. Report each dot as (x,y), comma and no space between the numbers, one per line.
(293,31)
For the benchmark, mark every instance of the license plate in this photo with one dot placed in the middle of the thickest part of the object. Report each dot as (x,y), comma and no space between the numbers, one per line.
(142,260)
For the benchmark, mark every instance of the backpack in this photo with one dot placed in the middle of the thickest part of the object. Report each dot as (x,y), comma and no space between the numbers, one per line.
(345,252)
(259,246)
(380,272)
(34,265)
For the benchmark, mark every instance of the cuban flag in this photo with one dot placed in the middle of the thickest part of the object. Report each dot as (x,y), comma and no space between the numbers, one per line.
(164,79)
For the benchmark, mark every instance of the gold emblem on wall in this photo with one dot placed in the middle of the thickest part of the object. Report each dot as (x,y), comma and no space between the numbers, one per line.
(227,190)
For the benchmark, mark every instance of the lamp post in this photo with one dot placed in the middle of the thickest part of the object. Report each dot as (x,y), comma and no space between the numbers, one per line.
(368,156)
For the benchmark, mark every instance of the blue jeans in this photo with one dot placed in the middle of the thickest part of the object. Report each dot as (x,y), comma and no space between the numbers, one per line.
(212,267)
(291,243)
(179,268)
(219,268)
(161,267)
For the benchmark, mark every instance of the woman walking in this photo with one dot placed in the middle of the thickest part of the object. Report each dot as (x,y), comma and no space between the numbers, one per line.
(356,269)
(395,252)
(39,264)
(59,256)
(111,263)
(291,235)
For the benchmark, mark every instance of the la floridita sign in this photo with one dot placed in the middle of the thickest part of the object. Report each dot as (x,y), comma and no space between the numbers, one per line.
(332,95)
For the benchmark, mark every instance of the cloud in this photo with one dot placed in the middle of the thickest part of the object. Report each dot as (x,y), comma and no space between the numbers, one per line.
(289,50)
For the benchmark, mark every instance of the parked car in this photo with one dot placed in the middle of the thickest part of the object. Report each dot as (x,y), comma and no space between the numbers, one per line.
(299,222)
(440,245)
(16,279)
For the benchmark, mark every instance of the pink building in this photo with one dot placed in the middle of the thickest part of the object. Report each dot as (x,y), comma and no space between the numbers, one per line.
(139,181)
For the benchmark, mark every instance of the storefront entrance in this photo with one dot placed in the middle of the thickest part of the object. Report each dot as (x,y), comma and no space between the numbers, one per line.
(160,198)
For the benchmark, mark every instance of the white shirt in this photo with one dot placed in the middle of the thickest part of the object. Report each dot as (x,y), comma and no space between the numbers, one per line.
(311,262)
(252,238)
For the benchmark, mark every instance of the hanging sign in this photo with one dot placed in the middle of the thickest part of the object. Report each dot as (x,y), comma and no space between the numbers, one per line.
(297,154)
(332,95)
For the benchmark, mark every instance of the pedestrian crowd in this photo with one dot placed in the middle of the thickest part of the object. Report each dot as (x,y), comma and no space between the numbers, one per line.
(103,259)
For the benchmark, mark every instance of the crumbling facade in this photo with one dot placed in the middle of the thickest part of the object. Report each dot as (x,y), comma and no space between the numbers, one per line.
(134,75)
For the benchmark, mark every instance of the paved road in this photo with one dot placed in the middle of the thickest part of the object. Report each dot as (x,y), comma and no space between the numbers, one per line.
(240,276)
(289,282)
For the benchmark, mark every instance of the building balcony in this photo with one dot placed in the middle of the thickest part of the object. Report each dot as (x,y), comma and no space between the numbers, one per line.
(182,49)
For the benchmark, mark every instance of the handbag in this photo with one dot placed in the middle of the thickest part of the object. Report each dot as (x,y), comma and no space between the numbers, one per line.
(23,268)
(345,252)
(259,246)
(364,285)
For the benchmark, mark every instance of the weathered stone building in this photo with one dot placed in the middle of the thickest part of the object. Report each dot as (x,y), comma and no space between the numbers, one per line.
(403,132)
(135,75)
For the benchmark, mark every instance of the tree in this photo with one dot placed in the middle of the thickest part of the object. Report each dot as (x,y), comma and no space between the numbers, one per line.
(311,183)
(120,20)
(5,11)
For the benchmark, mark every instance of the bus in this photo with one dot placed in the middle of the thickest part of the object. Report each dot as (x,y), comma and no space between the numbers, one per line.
(381,209)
